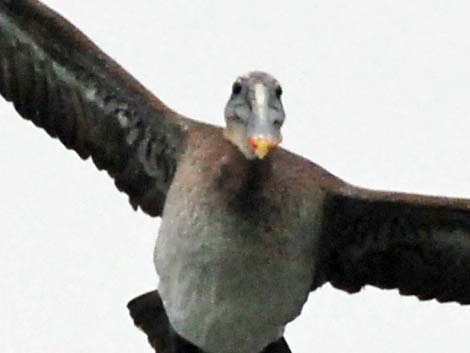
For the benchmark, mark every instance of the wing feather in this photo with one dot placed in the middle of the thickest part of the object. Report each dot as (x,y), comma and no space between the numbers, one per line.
(58,79)
(418,244)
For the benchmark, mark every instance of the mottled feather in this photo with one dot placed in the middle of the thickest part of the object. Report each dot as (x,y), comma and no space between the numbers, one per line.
(58,79)
(417,244)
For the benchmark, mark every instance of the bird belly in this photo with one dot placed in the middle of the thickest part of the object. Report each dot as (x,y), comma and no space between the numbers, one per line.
(227,286)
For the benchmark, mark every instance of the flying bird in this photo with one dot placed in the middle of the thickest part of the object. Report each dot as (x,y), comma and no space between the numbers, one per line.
(248,228)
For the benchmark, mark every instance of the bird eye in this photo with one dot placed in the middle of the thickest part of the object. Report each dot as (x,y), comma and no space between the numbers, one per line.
(277,123)
(278,91)
(236,88)
(236,118)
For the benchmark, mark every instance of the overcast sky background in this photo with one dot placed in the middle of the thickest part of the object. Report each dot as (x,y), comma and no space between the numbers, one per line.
(375,91)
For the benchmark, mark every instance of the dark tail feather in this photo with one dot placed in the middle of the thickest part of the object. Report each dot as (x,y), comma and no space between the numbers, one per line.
(149,315)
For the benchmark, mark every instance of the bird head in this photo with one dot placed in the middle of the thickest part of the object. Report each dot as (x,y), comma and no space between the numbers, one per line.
(254,114)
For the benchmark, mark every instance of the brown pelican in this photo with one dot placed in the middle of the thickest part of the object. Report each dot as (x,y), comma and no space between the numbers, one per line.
(351,237)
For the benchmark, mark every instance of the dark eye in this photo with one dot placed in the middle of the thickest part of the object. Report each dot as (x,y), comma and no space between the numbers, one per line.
(277,123)
(236,119)
(278,91)
(236,88)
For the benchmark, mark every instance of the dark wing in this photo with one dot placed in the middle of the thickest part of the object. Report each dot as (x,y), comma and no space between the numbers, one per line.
(57,78)
(418,244)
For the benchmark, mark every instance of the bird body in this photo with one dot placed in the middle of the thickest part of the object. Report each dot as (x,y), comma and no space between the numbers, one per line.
(248,229)
(237,272)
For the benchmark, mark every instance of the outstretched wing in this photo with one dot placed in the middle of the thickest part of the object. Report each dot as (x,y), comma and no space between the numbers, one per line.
(418,244)
(57,78)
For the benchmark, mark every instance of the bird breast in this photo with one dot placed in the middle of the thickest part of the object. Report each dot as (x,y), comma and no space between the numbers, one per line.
(229,281)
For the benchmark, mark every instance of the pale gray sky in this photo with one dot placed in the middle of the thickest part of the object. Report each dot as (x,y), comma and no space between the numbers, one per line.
(375,91)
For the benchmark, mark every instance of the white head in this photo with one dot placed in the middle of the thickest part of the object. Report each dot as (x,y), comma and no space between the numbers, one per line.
(254,114)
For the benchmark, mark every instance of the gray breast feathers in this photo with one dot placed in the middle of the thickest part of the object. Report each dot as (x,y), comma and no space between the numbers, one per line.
(228,277)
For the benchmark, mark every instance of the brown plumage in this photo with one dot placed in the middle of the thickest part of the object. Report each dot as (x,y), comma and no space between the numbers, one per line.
(348,236)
